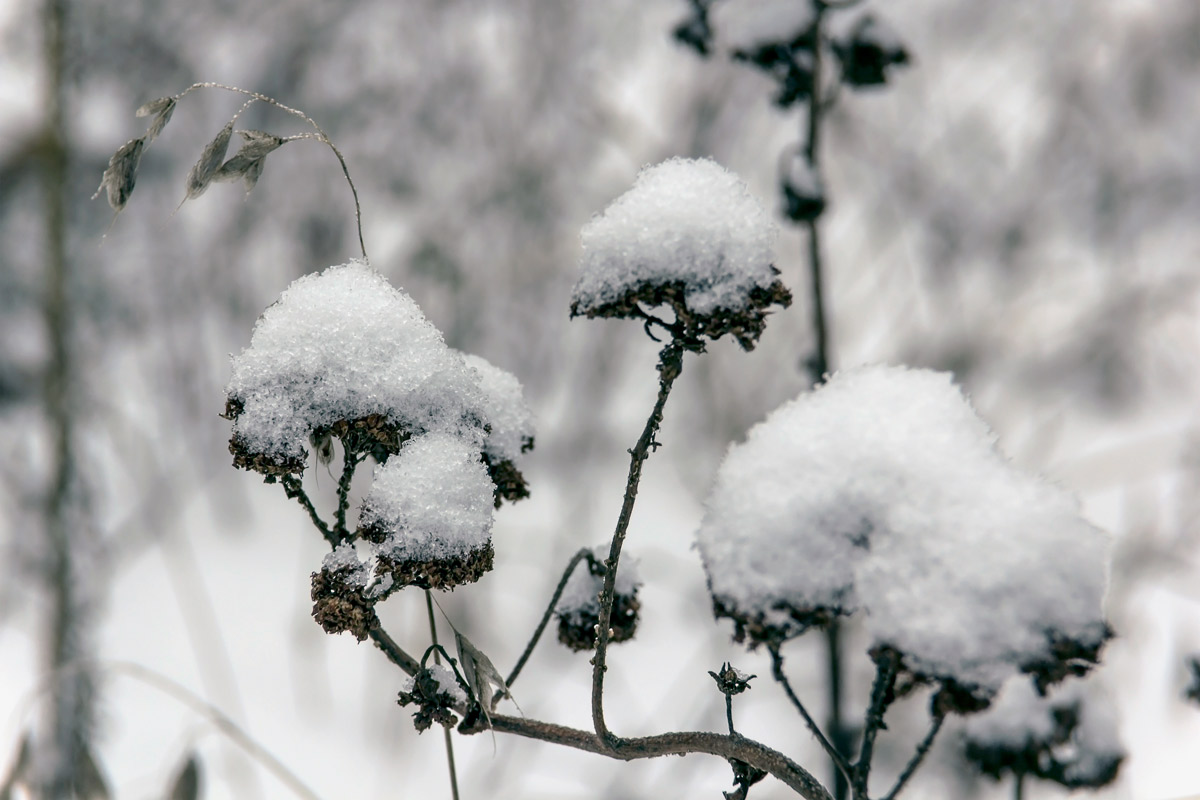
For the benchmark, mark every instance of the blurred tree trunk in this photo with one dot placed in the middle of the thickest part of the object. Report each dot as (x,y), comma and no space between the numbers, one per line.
(65,767)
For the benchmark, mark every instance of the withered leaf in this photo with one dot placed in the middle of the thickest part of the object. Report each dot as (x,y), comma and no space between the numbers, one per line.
(155,106)
(481,675)
(210,161)
(186,784)
(121,174)
(160,119)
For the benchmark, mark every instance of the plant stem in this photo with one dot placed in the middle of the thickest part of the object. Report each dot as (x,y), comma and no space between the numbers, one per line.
(293,486)
(350,462)
(918,757)
(584,553)
(881,698)
(670,364)
(676,743)
(841,764)
(1018,785)
(437,659)
(394,652)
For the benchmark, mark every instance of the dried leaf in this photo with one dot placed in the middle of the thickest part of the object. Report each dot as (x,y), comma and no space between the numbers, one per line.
(186,785)
(119,177)
(252,174)
(259,143)
(155,106)
(160,120)
(481,675)
(210,161)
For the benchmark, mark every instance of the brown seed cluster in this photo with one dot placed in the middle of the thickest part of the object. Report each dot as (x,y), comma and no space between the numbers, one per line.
(442,574)
(746,325)
(577,629)
(433,704)
(340,605)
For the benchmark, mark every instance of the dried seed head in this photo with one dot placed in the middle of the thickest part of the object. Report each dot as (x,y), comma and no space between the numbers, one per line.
(210,161)
(162,109)
(119,177)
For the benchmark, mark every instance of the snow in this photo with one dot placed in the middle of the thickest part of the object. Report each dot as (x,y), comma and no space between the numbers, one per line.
(748,25)
(1020,720)
(581,595)
(447,684)
(507,412)
(343,345)
(433,499)
(687,220)
(883,493)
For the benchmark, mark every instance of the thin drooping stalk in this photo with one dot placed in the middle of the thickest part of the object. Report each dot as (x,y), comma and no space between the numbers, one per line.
(670,364)
(917,758)
(437,659)
(321,136)
(584,553)
(840,762)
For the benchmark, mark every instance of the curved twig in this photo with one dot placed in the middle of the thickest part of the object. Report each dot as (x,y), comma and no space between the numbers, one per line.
(835,755)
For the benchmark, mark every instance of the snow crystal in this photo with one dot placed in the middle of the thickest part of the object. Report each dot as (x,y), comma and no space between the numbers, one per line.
(507,412)
(882,492)
(582,592)
(748,25)
(433,500)
(447,684)
(684,220)
(343,345)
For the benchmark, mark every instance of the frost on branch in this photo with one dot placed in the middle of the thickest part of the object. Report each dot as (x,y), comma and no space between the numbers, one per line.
(345,352)
(1068,736)
(578,609)
(510,429)
(883,493)
(688,235)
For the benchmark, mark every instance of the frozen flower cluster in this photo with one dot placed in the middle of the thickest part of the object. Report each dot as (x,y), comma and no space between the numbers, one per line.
(882,494)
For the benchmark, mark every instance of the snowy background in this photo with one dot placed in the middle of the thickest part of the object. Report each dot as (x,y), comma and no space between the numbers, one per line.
(1018,207)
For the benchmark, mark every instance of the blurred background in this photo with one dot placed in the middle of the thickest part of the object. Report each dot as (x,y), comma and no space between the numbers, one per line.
(1019,206)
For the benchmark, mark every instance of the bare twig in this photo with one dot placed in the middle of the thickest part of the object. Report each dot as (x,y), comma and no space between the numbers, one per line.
(584,553)
(293,486)
(350,462)
(670,364)
(676,743)
(838,758)
(917,758)
(881,697)
(394,652)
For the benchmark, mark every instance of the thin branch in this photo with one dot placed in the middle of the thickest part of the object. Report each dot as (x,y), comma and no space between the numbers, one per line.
(918,757)
(670,364)
(322,136)
(729,713)
(680,743)
(350,462)
(537,633)
(394,652)
(838,758)
(882,695)
(293,486)
(437,659)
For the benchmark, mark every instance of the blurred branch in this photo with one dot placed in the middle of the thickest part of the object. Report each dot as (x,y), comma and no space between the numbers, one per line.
(918,757)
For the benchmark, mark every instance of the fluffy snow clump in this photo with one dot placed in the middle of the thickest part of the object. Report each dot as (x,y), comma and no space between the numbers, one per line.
(345,348)
(688,234)
(882,492)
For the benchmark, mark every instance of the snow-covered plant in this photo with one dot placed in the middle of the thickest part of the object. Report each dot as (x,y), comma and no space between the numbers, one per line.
(1067,736)
(881,494)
